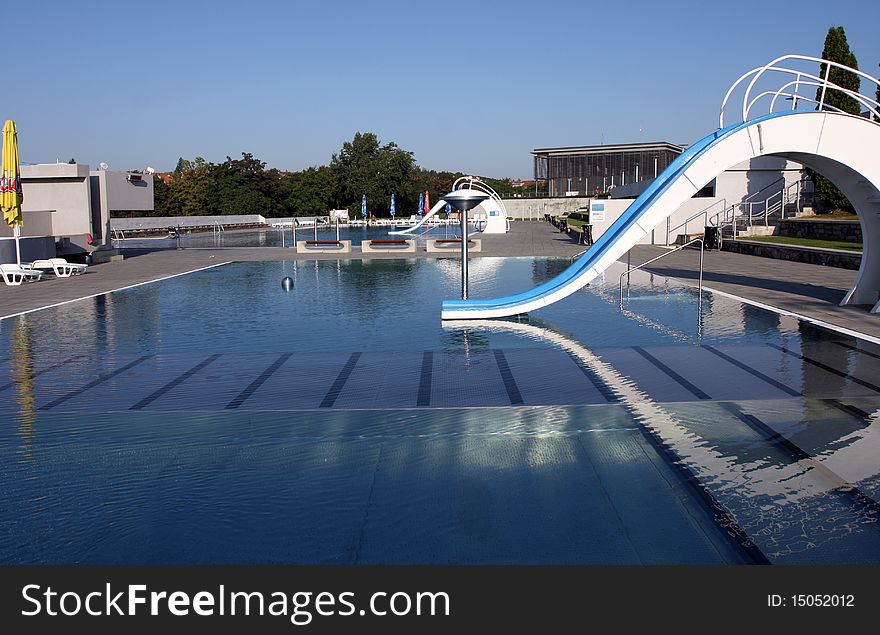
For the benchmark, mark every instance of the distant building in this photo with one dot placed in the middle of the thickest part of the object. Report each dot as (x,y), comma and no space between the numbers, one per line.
(579,170)
(67,208)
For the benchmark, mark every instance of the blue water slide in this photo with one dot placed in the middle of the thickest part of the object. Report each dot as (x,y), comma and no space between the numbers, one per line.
(588,266)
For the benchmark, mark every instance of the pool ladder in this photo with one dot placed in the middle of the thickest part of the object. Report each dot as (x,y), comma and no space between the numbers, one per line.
(630,268)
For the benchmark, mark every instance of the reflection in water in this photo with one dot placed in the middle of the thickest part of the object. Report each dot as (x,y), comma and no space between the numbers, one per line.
(788,502)
(756,320)
(22,367)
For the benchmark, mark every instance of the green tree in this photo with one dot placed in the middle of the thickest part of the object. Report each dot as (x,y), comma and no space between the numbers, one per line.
(161,199)
(310,192)
(244,186)
(836,50)
(363,166)
(189,188)
(877,97)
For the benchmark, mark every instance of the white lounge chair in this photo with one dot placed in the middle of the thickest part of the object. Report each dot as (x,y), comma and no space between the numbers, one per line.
(75,267)
(59,266)
(15,275)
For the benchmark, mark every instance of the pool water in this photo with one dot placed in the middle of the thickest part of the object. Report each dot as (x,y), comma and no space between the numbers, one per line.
(216,418)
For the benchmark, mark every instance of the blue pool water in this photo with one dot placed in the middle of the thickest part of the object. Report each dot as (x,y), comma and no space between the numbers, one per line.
(215,418)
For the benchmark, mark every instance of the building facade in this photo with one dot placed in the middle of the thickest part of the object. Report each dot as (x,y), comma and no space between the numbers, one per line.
(584,170)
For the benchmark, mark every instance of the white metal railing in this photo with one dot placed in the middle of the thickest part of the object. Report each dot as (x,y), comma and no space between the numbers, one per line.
(475,182)
(790,89)
(746,215)
(703,212)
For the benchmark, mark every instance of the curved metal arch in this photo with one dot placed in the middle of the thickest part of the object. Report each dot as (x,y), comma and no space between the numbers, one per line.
(475,182)
(773,66)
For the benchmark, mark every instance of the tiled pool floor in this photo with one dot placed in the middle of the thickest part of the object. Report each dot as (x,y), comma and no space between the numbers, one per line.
(410,379)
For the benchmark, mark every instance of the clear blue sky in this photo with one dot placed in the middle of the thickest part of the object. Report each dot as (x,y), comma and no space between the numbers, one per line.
(471,86)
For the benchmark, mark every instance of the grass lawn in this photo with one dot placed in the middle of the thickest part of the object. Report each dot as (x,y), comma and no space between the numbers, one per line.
(806,242)
(837,214)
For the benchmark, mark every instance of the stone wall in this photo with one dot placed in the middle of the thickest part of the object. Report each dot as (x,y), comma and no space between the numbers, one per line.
(811,255)
(848,231)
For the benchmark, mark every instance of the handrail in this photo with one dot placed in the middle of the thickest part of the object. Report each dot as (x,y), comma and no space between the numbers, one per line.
(802,79)
(475,182)
(704,211)
(663,255)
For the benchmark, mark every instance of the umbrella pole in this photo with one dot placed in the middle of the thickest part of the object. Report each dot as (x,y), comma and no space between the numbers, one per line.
(16,231)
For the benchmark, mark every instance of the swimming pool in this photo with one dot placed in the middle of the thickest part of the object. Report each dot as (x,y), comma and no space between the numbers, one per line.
(216,418)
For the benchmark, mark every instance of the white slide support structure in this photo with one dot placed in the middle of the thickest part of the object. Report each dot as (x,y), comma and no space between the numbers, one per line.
(845,148)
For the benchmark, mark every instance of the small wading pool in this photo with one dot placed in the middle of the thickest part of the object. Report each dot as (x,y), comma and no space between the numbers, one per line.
(216,418)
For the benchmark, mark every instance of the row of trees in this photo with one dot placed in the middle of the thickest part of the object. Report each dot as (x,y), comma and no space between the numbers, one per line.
(362,166)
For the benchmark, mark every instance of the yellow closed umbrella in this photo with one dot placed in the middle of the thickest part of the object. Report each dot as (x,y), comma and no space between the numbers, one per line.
(10,184)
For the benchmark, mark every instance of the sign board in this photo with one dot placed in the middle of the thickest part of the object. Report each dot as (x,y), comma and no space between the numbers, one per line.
(597,212)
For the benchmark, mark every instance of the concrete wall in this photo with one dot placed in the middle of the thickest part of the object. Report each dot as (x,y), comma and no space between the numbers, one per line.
(746,180)
(812,255)
(535,208)
(32,248)
(845,231)
(56,200)
(666,232)
(129,196)
(69,201)
(112,191)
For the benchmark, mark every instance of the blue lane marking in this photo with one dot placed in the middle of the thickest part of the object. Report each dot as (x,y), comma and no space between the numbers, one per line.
(699,394)
(146,401)
(339,384)
(243,396)
(424,397)
(94,382)
(510,386)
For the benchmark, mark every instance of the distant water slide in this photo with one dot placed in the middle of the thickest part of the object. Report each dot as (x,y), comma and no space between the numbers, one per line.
(438,206)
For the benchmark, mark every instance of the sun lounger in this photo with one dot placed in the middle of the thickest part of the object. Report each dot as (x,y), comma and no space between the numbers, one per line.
(15,275)
(75,267)
(59,266)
